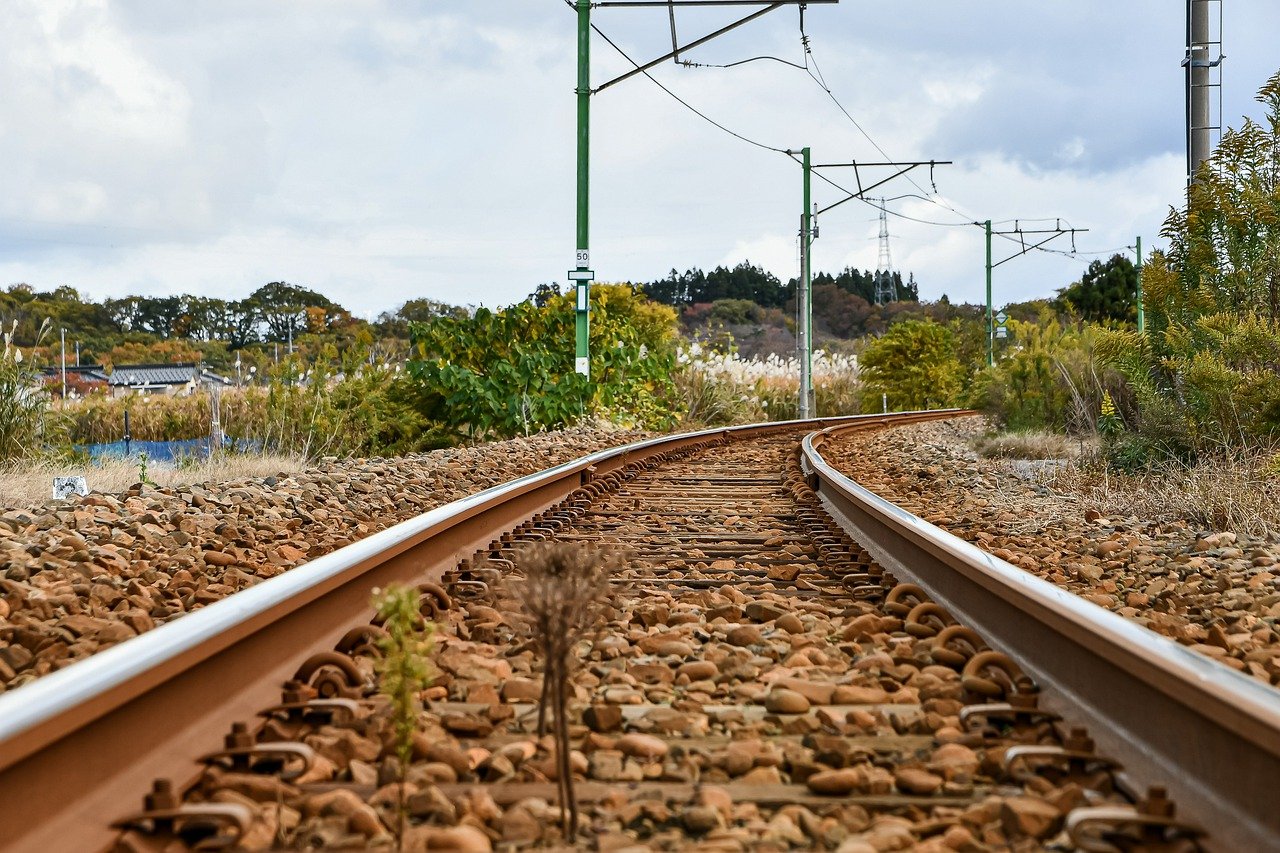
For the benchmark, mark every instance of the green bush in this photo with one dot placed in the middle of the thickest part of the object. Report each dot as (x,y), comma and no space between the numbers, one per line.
(1048,378)
(511,372)
(735,312)
(914,363)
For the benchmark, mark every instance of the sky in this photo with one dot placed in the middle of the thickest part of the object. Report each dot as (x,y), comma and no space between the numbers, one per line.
(384,150)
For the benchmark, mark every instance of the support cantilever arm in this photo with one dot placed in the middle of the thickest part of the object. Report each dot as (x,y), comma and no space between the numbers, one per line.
(1025,248)
(686,48)
(862,191)
(675,45)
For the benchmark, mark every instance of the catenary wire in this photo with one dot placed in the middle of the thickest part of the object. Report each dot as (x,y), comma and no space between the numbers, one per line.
(815,73)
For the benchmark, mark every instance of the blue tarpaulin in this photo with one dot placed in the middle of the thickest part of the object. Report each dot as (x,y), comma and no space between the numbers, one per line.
(161,451)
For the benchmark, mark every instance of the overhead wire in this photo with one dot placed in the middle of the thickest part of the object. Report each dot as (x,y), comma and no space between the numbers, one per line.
(681,100)
(814,71)
(688,64)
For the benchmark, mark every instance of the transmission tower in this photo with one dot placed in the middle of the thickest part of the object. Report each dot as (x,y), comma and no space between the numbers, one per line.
(886,290)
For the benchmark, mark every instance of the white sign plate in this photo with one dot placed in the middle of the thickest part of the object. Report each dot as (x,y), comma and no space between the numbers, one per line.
(583,259)
(583,366)
(1002,332)
(581,275)
(65,487)
(1001,318)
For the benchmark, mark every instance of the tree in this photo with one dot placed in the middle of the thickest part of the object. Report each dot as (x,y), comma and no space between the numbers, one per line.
(744,281)
(124,312)
(282,307)
(159,315)
(240,323)
(914,363)
(395,324)
(1106,291)
(843,312)
(1224,248)
(1207,373)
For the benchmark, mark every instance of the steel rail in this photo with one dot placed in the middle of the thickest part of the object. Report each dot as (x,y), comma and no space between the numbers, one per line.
(80,746)
(1171,716)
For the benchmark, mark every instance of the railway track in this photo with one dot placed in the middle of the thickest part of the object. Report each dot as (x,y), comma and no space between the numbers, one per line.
(789,663)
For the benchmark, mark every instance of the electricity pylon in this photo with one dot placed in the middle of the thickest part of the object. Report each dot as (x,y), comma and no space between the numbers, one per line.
(886,290)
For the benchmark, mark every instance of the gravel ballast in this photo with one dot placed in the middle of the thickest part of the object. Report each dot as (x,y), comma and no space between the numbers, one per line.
(81,575)
(1214,591)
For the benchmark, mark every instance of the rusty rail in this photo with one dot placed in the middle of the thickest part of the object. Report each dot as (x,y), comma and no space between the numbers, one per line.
(79,746)
(1172,716)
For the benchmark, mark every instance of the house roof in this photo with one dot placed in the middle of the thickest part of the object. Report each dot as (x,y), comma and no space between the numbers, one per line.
(91,372)
(152,374)
(141,375)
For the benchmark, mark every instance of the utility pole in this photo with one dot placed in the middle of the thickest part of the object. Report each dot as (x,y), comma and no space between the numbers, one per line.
(991,326)
(581,273)
(77,353)
(64,367)
(809,230)
(993,322)
(1142,314)
(1203,74)
(803,298)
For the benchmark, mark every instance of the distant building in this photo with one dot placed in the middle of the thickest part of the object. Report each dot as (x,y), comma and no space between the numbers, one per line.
(170,380)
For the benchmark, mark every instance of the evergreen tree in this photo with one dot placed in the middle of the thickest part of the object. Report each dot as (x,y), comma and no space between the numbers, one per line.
(1106,291)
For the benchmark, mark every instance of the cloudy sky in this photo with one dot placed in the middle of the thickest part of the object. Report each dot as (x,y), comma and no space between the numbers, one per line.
(380,150)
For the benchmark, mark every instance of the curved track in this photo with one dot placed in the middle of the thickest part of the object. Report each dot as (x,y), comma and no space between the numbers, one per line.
(728,519)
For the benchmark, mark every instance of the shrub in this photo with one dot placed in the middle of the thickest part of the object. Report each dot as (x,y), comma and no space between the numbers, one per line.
(735,312)
(24,400)
(511,372)
(914,363)
(1206,377)
(1049,378)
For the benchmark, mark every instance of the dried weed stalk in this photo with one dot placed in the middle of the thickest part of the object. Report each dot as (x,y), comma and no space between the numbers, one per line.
(563,595)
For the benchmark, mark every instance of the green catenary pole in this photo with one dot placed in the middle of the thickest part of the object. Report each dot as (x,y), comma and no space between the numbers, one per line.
(582,261)
(991,329)
(1142,314)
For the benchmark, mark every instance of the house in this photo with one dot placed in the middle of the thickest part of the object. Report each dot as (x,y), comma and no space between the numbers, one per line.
(171,380)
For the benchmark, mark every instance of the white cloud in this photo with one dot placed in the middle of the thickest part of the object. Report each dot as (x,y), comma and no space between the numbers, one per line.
(771,251)
(384,149)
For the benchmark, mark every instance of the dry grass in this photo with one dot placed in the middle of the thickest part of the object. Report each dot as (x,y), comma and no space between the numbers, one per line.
(26,484)
(1027,445)
(1240,493)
